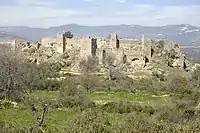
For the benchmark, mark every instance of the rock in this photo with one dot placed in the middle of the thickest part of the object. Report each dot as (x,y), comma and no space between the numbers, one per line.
(159,73)
(178,63)
(195,67)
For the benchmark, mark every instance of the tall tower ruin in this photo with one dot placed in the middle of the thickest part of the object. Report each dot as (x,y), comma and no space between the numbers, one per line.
(146,48)
(114,41)
(93,47)
(61,43)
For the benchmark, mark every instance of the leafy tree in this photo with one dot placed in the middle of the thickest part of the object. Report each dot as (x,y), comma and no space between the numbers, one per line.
(71,96)
(112,66)
(88,69)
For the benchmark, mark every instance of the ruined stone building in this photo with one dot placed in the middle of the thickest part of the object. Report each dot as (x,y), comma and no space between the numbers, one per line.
(136,53)
(14,44)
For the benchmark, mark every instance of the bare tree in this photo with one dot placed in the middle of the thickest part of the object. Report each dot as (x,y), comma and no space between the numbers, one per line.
(88,68)
(15,74)
(113,66)
(39,120)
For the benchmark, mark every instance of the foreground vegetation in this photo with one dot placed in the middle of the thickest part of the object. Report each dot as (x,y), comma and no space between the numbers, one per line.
(31,102)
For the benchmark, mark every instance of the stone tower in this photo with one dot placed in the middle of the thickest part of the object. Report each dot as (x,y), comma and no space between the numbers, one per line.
(146,48)
(61,43)
(114,41)
(93,47)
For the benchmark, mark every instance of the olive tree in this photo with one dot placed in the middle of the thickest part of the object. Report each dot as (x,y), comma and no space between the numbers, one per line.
(113,66)
(88,68)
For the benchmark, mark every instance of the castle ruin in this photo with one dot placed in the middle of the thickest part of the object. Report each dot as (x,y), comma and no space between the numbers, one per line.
(137,53)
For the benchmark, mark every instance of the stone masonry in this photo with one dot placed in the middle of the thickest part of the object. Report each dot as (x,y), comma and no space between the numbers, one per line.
(137,53)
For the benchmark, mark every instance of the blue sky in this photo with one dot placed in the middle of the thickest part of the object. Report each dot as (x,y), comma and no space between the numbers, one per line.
(47,13)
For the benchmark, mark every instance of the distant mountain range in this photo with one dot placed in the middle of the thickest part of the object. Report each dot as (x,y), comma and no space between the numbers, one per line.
(4,36)
(185,35)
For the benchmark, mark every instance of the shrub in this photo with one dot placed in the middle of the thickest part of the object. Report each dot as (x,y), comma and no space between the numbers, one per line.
(72,96)
(120,107)
(123,107)
(181,113)
(40,101)
(10,128)
(91,121)
(135,123)
(50,85)
(7,104)
(177,84)
(140,123)
(143,84)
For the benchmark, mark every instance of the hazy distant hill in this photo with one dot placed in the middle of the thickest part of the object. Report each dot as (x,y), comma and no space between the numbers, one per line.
(4,36)
(183,34)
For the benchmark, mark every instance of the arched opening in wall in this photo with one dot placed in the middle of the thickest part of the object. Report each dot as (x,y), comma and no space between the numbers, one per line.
(117,43)
(146,60)
(134,59)
(35,61)
(152,52)
(176,46)
(124,59)
(184,63)
(104,54)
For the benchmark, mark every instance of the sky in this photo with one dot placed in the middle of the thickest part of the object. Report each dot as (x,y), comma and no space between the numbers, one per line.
(48,13)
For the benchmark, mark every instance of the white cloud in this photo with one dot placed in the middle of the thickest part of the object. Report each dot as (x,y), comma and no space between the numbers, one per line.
(122,1)
(46,15)
(39,16)
(153,15)
(88,0)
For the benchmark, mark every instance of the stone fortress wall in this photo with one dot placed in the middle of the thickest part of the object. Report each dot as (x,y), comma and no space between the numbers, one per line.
(14,44)
(132,48)
(137,52)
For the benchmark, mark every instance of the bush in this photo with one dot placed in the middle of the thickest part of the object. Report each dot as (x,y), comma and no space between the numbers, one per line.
(92,121)
(123,107)
(140,123)
(40,101)
(143,84)
(7,104)
(117,107)
(72,96)
(177,84)
(8,128)
(135,123)
(50,85)
(179,113)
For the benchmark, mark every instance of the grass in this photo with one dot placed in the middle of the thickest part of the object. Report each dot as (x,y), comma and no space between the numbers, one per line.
(58,118)
(115,96)
(22,117)
(107,96)
(16,116)
(104,96)
(51,94)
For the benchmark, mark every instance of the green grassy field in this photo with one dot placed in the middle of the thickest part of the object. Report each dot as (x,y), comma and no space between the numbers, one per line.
(56,118)
(59,117)
(109,96)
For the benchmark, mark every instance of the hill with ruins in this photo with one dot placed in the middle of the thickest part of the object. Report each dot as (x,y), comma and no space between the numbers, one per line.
(136,55)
